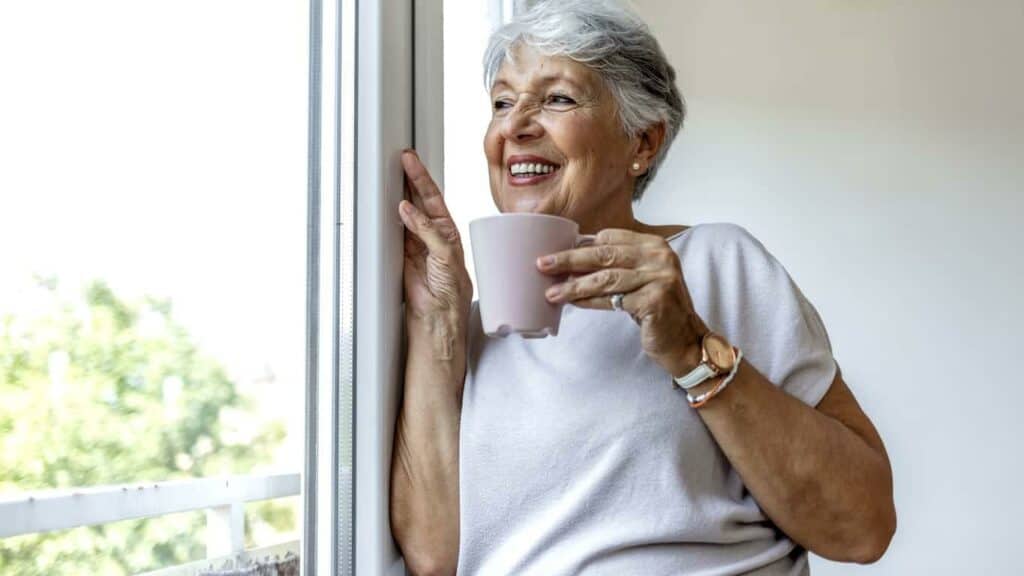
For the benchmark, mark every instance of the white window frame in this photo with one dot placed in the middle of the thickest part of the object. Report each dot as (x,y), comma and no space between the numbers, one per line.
(364,110)
(327,480)
(392,113)
(385,97)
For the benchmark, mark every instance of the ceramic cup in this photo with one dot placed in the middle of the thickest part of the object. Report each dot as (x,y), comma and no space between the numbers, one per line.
(509,286)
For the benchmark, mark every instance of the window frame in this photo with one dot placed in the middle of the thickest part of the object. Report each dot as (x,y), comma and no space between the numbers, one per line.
(376,87)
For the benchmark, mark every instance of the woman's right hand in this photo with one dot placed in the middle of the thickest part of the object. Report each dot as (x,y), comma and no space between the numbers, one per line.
(437,285)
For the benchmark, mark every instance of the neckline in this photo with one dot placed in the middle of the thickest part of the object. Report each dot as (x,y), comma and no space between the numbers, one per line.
(678,234)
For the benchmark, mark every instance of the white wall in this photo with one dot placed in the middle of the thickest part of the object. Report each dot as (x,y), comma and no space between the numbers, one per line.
(467,112)
(877,148)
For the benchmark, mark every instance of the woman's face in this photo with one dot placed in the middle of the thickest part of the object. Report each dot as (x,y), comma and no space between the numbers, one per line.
(555,144)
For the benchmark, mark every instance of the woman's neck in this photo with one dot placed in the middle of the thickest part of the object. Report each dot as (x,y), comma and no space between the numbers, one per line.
(623,218)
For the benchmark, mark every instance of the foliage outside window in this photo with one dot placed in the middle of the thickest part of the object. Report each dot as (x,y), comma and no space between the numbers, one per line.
(98,390)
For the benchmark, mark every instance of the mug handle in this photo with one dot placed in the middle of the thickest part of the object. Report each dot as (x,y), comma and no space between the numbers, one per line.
(585,240)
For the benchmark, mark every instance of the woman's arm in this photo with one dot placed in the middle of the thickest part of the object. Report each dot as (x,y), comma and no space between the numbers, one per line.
(425,461)
(425,466)
(821,474)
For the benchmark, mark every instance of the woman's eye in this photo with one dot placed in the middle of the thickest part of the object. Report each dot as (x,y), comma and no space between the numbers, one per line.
(560,99)
(502,104)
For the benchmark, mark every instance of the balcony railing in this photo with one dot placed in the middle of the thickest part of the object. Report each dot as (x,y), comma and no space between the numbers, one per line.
(223,499)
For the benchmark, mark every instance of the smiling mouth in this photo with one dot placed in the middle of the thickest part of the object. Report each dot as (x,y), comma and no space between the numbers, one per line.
(531,172)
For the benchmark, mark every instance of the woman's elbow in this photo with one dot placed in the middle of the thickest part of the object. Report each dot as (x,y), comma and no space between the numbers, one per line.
(876,539)
(423,552)
(427,559)
(428,565)
(861,539)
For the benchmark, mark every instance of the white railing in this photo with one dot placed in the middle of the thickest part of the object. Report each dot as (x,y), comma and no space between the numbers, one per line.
(223,499)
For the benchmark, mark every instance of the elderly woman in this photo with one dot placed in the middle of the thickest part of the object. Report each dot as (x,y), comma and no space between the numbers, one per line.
(689,418)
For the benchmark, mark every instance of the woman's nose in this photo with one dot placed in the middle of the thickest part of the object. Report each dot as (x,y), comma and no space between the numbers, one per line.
(521,124)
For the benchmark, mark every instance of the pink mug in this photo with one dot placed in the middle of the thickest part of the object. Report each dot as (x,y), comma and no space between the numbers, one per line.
(511,289)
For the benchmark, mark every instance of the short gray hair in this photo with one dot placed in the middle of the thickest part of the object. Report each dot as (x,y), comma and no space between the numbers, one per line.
(614,42)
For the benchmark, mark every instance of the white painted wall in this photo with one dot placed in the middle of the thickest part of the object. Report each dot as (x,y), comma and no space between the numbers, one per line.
(467,112)
(877,149)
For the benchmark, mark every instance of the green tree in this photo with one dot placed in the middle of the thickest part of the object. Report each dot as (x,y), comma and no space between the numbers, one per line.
(98,390)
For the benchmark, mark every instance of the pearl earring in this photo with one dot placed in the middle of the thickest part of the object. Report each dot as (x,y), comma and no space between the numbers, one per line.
(636,166)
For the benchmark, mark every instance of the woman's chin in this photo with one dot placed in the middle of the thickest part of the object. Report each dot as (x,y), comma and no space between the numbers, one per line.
(534,204)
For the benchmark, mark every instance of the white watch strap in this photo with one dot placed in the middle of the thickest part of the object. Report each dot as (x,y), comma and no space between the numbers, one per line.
(718,389)
(699,374)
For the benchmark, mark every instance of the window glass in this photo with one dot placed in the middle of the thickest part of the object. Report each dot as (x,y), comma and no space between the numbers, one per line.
(153,239)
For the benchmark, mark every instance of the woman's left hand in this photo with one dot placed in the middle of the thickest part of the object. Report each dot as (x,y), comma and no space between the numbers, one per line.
(646,271)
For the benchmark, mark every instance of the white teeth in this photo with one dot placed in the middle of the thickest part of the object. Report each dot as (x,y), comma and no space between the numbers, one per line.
(530,168)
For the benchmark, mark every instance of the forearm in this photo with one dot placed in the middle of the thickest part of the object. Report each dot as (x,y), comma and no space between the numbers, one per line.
(824,485)
(425,465)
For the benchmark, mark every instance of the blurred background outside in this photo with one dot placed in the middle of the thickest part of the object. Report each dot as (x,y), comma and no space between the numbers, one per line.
(153,239)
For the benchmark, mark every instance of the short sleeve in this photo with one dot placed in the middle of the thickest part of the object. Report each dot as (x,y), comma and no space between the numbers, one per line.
(741,291)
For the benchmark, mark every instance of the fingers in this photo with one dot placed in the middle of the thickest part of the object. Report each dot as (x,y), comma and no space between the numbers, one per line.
(630,301)
(639,304)
(423,191)
(591,258)
(631,304)
(414,247)
(439,235)
(602,283)
(639,251)
(429,225)
(622,236)
(642,267)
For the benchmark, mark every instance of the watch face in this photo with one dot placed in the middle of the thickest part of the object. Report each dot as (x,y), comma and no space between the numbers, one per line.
(720,353)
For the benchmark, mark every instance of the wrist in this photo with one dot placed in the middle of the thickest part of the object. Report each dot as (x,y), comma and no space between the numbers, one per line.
(700,395)
(451,318)
(718,363)
(691,351)
(706,386)
(686,359)
(441,336)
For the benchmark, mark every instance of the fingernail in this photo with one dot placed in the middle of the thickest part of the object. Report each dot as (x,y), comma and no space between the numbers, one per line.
(545,261)
(406,208)
(553,293)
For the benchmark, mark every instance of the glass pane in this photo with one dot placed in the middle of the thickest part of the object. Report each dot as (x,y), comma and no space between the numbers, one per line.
(152,225)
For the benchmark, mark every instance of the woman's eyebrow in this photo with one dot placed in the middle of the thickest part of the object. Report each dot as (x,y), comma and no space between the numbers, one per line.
(545,80)
(554,78)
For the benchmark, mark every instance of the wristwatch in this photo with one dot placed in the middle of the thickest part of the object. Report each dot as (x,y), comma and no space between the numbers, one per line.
(717,358)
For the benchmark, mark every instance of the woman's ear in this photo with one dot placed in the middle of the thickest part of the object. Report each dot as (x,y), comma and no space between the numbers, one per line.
(647,145)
